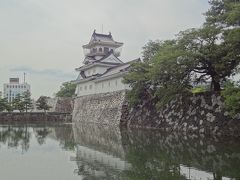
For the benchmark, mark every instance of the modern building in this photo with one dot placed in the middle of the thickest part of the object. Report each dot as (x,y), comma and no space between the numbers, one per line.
(102,71)
(13,88)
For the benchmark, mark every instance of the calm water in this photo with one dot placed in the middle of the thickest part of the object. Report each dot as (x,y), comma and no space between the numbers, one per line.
(70,152)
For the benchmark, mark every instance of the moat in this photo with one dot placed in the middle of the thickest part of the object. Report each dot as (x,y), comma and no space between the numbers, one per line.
(87,151)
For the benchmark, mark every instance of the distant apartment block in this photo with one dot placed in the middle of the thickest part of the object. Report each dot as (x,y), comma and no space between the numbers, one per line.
(13,88)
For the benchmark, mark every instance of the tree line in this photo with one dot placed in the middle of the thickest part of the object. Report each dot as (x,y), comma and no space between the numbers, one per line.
(23,103)
(196,56)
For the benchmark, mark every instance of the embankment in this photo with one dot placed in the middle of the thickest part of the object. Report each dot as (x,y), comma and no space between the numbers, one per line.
(104,109)
(201,113)
(61,104)
(35,117)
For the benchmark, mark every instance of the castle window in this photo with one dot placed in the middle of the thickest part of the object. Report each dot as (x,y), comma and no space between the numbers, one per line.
(109,84)
(116,82)
(90,86)
(106,49)
(80,88)
(100,49)
(85,87)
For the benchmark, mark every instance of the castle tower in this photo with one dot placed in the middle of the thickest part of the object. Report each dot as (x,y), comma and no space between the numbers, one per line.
(102,71)
(101,45)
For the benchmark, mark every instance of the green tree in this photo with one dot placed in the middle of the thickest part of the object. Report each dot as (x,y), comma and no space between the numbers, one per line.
(139,80)
(231,94)
(150,49)
(213,53)
(5,105)
(66,90)
(161,78)
(27,101)
(42,103)
(224,13)
(210,53)
(18,103)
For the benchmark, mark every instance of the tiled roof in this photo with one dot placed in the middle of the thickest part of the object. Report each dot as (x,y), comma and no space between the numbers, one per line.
(102,37)
(119,68)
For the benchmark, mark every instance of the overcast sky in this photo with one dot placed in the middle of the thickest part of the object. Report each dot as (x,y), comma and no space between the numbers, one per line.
(44,38)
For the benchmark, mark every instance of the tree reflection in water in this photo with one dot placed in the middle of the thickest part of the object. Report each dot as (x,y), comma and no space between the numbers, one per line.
(41,134)
(110,153)
(157,155)
(15,137)
(149,154)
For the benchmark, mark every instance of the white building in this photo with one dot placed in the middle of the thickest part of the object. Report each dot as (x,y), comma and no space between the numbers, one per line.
(13,88)
(102,71)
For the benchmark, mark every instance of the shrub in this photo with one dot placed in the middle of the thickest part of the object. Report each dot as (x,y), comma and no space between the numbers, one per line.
(231,94)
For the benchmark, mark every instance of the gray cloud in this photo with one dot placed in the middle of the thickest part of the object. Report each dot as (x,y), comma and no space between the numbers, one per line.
(45,37)
(54,73)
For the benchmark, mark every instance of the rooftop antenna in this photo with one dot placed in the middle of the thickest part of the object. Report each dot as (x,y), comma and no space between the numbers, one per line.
(24,75)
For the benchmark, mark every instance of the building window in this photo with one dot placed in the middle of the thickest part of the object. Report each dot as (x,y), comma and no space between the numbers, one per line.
(100,49)
(80,88)
(109,84)
(85,87)
(116,82)
(94,70)
(90,86)
(106,49)
(102,85)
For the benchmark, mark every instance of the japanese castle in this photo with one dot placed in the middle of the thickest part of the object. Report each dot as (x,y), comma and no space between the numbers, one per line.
(102,71)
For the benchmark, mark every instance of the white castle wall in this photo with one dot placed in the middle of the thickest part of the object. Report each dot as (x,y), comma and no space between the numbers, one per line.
(105,86)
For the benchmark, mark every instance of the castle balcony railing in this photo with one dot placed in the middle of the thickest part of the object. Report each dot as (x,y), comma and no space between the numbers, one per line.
(116,52)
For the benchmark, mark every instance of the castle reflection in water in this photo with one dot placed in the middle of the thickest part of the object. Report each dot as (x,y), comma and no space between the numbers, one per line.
(101,152)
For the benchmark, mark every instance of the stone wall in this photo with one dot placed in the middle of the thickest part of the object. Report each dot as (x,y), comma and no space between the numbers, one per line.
(34,117)
(61,104)
(104,109)
(202,113)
